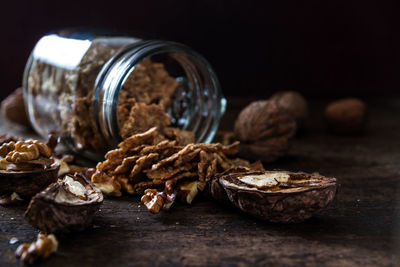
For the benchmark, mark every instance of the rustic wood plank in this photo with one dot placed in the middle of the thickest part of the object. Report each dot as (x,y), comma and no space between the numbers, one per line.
(362,227)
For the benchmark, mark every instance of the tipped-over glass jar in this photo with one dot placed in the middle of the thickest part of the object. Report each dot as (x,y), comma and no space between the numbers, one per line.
(95,91)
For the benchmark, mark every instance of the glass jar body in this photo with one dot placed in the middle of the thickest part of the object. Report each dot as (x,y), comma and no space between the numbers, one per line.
(73,87)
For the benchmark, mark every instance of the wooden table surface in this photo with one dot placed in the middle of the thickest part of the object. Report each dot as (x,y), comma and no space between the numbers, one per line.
(361,227)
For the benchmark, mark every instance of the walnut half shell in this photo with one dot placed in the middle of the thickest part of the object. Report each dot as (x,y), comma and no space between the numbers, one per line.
(279,196)
(65,206)
(27,183)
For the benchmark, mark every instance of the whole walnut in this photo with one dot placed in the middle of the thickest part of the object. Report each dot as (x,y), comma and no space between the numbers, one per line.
(346,116)
(13,108)
(264,129)
(294,103)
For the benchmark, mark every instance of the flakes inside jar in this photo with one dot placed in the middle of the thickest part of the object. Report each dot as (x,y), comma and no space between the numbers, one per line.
(63,100)
(141,118)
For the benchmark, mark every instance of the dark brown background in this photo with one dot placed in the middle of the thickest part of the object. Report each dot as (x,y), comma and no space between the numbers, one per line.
(318,47)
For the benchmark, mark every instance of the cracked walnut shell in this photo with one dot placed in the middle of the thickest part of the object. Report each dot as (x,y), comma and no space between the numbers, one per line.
(264,130)
(65,206)
(279,196)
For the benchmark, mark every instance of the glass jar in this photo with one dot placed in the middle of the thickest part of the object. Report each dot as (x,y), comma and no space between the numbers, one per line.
(93,91)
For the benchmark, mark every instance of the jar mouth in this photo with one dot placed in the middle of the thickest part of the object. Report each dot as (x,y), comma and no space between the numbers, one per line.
(197,104)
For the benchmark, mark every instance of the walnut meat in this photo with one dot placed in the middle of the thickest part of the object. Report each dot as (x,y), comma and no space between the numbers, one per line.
(158,164)
(40,249)
(154,200)
(264,129)
(150,159)
(294,103)
(346,116)
(187,191)
(107,184)
(27,150)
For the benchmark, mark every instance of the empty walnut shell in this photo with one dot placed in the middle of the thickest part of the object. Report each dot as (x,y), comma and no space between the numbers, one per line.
(63,207)
(27,183)
(264,130)
(279,196)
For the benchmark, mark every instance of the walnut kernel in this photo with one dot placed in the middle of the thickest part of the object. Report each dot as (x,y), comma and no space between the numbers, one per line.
(187,191)
(40,249)
(154,200)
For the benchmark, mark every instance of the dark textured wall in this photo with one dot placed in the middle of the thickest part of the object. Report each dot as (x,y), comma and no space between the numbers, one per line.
(257,47)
